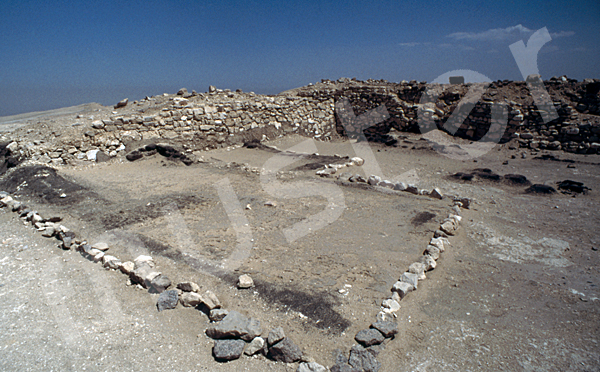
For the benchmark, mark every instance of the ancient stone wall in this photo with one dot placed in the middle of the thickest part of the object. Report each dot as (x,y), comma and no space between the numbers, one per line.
(223,121)
(503,111)
(418,107)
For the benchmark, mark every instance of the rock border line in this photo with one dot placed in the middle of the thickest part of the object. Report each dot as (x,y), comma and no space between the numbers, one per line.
(235,334)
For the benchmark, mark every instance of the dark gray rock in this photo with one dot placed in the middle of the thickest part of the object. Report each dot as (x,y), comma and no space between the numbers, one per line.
(225,350)
(340,356)
(66,242)
(160,283)
(540,189)
(253,329)
(374,350)
(275,335)
(285,351)
(102,157)
(167,300)
(69,234)
(86,249)
(122,103)
(182,91)
(134,155)
(387,329)
(234,325)
(369,337)
(412,189)
(363,360)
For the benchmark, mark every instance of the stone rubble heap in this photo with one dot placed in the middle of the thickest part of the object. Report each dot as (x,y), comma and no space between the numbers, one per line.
(233,333)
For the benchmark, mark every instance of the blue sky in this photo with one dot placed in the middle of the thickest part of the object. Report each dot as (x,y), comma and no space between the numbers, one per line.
(56,54)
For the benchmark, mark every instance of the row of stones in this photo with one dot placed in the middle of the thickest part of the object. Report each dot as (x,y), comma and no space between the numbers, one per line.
(233,333)
(397,186)
(363,356)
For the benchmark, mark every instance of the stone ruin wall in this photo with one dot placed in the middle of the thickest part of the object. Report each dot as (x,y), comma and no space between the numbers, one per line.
(577,128)
(224,122)
(225,118)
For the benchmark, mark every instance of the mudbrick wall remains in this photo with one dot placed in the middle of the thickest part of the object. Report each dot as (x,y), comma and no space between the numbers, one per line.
(505,110)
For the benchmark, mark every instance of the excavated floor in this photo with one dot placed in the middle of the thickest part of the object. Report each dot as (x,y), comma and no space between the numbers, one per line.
(517,290)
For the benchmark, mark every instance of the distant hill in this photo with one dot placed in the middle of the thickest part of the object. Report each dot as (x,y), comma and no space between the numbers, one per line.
(37,114)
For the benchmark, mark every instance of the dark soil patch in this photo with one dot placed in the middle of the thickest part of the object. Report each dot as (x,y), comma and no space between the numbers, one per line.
(314,162)
(253,144)
(516,179)
(138,211)
(157,248)
(553,158)
(568,186)
(487,175)
(422,218)
(165,150)
(153,246)
(477,174)
(541,189)
(463,176)
(45,186)
(318,307)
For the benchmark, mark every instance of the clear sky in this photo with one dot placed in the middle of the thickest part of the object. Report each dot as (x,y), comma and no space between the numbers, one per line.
(63,53)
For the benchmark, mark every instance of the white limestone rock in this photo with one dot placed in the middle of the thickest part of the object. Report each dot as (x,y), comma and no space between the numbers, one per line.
(245,281)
